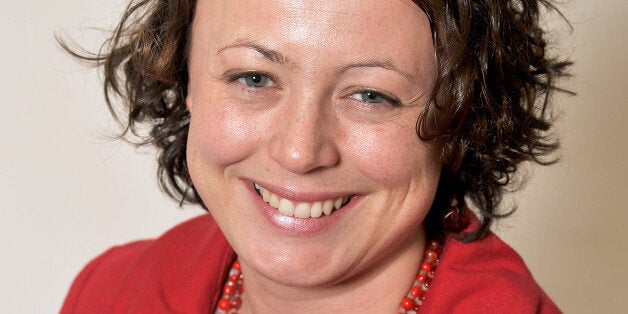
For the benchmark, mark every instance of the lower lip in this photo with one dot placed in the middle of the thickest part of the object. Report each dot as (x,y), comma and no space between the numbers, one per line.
(293,226)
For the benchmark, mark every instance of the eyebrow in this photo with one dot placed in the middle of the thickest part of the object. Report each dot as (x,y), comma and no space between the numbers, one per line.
(277,57)
(386,64)
(270,54)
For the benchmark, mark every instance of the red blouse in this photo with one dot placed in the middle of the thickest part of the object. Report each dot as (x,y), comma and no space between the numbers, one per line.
(184,270)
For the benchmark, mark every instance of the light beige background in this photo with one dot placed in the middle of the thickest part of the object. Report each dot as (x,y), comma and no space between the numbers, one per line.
(67,194)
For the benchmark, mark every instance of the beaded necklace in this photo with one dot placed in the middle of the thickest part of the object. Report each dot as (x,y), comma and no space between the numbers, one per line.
(231,298)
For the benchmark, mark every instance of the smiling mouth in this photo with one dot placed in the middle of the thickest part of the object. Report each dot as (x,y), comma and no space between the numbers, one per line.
(296,209)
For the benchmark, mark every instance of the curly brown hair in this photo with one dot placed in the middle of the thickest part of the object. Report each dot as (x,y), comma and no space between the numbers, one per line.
(489,108)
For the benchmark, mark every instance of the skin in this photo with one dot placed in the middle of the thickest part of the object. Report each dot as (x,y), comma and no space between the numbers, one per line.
(307,129)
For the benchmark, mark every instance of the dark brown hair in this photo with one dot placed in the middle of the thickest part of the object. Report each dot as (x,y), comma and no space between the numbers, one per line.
(489,109)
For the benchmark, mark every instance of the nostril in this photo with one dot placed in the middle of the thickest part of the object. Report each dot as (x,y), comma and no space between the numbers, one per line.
(306,158)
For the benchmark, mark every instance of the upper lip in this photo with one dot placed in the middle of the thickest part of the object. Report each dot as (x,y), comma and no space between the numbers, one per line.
(301,195)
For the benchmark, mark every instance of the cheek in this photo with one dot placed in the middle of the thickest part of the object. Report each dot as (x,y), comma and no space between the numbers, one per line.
(394,156)
(219,136)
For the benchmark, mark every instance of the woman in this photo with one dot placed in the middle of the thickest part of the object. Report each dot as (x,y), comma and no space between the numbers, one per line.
(334,144)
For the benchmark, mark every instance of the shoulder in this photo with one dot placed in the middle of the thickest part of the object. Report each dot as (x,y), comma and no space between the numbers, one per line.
(485,276)
(147,276)
(105,271)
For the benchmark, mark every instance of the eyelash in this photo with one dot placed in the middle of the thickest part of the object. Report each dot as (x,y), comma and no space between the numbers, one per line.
(231,78)
(393,101)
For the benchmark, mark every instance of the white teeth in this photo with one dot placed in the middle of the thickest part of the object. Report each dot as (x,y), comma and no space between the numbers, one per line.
(317,210)
(338,203)
(273,200)
(328,206)
(301,210)
(286,207)
(265,195)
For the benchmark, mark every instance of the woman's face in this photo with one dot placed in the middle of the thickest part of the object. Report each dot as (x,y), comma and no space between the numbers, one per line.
(315,102)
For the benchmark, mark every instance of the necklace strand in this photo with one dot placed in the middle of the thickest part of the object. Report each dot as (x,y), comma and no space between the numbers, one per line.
(231,298)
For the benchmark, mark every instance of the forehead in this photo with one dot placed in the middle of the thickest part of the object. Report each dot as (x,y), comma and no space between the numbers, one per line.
(316,30)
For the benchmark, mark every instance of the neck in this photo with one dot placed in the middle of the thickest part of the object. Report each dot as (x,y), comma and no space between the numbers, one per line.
(375,289)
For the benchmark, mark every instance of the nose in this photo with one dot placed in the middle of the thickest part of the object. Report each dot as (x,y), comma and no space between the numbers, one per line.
(304,138)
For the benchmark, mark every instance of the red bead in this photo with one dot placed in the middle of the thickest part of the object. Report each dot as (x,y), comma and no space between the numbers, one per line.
(236,265)
(431,255)
(224,305)
(407,304)
(421,277)
(415,291)
(425,266)
(428,282)
(236,303)
(229,290)
(234,278)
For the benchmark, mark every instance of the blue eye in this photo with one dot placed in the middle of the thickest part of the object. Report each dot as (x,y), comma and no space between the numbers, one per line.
(373,97)
(256,80)
(369,97)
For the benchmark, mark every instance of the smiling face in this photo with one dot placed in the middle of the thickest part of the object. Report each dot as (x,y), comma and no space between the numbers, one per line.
(303,104)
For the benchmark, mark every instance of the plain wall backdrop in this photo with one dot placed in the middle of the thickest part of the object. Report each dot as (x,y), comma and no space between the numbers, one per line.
(67,192)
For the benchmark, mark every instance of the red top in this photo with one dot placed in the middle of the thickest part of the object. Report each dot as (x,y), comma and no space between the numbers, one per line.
(184,270)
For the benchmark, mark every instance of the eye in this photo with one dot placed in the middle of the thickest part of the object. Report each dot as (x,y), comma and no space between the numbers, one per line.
(373,97)
(255,80)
